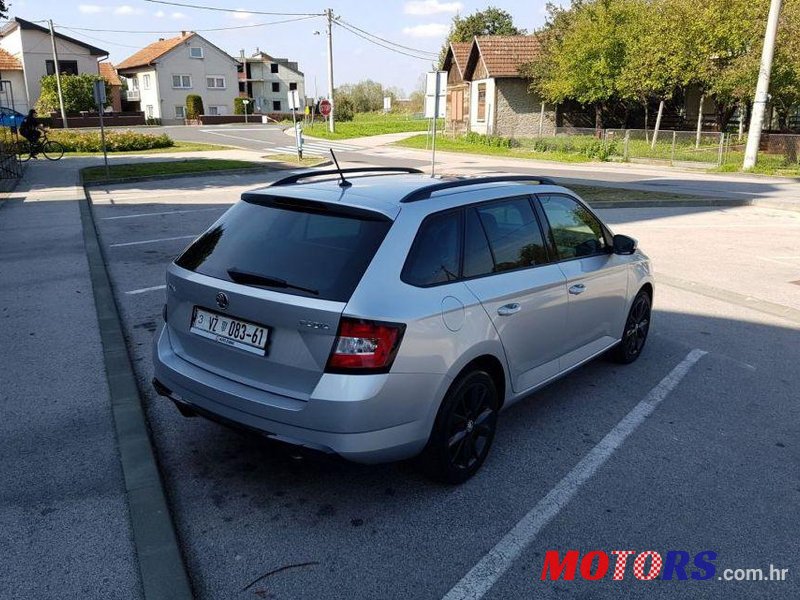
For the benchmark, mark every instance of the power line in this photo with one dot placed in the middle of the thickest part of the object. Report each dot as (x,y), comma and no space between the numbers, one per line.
(356,33)
(234,10)
(157,31)
(372,35)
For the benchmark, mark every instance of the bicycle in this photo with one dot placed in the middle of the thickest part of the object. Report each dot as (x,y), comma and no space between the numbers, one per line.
(50,149)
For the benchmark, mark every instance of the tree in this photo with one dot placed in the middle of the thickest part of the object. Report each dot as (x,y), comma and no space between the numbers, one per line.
(77,91)
(3,9)
(194,107)
(584,53)
(490,21)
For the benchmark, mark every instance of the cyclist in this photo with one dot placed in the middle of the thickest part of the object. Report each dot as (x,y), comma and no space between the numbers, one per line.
(30,129)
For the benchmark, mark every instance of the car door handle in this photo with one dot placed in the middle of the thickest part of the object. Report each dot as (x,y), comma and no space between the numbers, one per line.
(508,309)
(576,289)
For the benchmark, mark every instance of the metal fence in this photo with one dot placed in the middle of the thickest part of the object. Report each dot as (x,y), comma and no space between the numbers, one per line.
(777,150)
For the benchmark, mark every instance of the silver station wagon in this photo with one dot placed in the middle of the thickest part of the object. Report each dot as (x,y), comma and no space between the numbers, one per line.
(380,314)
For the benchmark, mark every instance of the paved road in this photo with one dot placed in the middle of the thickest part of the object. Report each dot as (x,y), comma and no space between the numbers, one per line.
(270,138)
(716,467)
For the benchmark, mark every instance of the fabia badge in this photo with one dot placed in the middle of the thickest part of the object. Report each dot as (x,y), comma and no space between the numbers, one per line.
(222,300)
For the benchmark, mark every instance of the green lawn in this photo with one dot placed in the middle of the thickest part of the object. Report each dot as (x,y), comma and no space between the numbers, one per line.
(462,145)
(291,159)
(173,167)
(177,147)
(365,124)
(610,194)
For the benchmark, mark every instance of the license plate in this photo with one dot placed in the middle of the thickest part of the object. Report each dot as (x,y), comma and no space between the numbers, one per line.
(230,331)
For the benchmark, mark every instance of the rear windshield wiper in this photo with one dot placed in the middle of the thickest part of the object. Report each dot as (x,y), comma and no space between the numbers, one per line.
(265,280)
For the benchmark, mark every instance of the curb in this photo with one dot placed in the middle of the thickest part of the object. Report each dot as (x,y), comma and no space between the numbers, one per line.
(246,171)
(161,566)
(668,203)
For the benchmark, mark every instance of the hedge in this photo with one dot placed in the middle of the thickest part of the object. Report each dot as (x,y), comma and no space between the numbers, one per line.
(116,141)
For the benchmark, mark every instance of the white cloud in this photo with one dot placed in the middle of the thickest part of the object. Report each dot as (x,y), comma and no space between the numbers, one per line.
(91,9)
(127,10)
(178,15)
(427,31)
(431,7)
(241,14)
(159,14)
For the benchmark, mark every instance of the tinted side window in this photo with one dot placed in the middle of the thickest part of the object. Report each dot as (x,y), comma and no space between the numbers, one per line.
(477,255)
(576,231)
(434,257)
(512,230)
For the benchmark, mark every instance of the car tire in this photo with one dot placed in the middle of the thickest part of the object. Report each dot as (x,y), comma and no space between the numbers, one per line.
(637,326)
(464,429)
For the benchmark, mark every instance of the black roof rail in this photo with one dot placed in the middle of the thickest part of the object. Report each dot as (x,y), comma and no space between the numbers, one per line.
(295,177)
(425,192)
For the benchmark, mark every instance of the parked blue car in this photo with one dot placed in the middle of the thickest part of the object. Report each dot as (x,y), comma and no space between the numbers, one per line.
(10,118)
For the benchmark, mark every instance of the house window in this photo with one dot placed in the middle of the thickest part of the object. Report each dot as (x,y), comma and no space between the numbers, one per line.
(146,81)
(292,86)
(276,87)
(180,112)
(133,83)
(64,66)
(273,67)
(217,83)
(216,110)
(481,102)
(276,105)
(181,81)
(148,111)
(195,52)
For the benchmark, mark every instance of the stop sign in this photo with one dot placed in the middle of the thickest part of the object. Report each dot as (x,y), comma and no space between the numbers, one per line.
(325,107)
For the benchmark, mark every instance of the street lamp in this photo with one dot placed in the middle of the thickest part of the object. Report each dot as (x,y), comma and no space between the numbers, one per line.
(245,102)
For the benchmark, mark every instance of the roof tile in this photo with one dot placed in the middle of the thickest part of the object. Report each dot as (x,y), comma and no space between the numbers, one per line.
(109,73)
(148,54)
(503,55)
(9,62)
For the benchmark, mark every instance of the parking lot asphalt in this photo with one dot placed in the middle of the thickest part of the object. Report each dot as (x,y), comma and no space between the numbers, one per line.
(715,467)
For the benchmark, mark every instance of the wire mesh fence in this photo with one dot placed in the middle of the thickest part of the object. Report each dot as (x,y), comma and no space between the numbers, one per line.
(777,151)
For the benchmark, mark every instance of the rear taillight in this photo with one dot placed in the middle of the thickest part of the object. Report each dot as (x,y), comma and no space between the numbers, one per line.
(364,346)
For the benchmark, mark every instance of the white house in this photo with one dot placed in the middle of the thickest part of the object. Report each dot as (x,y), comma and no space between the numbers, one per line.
(27,56)
(161,75)
(268,80)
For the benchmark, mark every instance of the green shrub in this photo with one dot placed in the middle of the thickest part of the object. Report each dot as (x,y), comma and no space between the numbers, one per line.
(239,106)
(343,108)
(194,107)
(77,92)
(494,141)
(116,141)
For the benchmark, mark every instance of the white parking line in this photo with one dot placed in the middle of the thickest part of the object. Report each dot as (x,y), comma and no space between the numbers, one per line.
(169,239)
(155,288)
(491,567)
(165,212)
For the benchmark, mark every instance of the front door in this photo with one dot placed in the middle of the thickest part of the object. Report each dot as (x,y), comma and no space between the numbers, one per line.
(596,278)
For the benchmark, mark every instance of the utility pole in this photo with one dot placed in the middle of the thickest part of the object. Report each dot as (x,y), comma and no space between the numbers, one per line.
(58,75)
(760,102)
(329,15)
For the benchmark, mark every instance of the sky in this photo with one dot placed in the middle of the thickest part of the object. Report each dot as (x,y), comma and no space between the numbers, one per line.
(420,25)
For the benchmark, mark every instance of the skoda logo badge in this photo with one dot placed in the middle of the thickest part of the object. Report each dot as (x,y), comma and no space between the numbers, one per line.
(222,300)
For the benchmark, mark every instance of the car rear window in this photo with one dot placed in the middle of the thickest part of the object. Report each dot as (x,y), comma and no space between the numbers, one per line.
(317,250)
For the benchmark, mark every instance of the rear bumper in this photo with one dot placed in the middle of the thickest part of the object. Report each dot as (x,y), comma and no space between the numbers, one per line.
(364,418)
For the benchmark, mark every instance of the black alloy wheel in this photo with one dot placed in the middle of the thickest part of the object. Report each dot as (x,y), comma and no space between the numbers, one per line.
(464,429)
(636,329)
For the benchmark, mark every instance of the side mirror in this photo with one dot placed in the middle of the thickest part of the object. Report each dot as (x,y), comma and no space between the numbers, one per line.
(624,244)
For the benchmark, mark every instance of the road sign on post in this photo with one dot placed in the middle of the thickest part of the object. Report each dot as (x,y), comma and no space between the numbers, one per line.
(99,93)
(325,107)
(435,103)
(294,100)
(245,103)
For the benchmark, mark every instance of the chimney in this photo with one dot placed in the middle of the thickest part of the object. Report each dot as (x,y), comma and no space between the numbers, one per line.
(160,39)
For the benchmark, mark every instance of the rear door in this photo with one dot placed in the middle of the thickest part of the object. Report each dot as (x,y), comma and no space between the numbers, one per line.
(274,276)
(596,278)
(507,266)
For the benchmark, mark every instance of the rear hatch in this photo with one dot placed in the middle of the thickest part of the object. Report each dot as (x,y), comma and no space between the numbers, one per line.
(258,297)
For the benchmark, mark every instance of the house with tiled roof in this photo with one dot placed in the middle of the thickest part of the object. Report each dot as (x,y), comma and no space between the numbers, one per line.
(457,112)
(26,55)
(268,81)
(500,103)
(162,74)
(109,73)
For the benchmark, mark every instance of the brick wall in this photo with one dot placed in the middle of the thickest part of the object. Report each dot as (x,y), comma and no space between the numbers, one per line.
(518,112)
(93,120)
